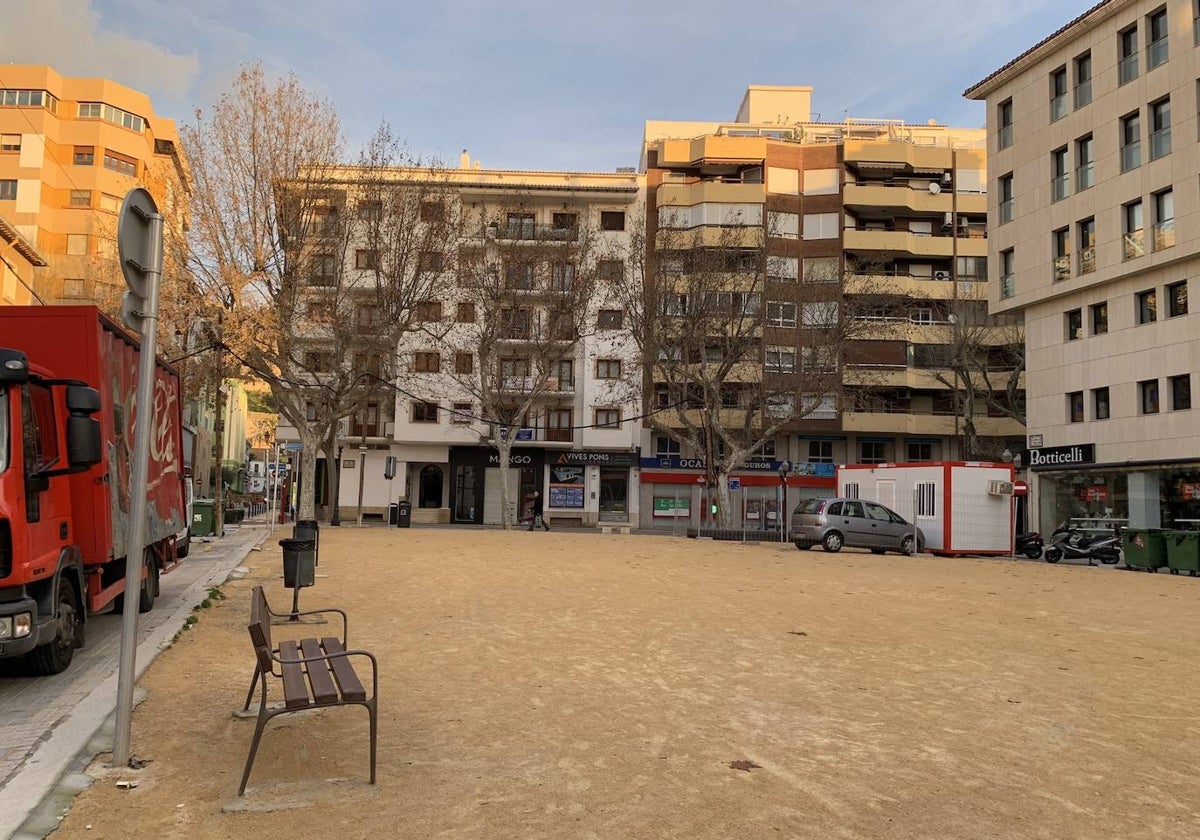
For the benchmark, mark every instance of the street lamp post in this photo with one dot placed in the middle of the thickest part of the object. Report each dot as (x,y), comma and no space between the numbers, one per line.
(336,519)
(784,468)
(1008,457)
(362,475)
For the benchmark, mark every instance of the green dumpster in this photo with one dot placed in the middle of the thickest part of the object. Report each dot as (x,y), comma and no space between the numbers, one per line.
(1183,551)
(203,517)
(1144,548)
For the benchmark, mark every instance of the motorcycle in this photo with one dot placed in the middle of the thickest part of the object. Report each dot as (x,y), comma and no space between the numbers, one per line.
(1070,542)
(1030,545)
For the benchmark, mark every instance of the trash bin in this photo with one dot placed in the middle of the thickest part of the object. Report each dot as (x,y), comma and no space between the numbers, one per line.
(1144,548)
(309,529)
(299,562)
(404,514)
(393,514)
(1183,551)
(203,520)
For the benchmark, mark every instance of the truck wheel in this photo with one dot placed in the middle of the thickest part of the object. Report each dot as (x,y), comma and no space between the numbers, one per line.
(149,591)
(182,548)
(54,656)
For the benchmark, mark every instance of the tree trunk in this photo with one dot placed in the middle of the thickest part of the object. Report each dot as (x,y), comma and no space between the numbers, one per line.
(504,448)
(308,476)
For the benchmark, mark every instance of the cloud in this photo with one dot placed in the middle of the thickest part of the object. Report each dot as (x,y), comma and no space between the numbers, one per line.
(70,36)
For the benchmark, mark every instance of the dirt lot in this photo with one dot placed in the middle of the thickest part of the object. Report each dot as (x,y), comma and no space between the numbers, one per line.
(583,686)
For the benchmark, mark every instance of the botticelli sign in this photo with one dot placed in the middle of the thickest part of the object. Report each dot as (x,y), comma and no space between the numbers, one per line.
(1061,456)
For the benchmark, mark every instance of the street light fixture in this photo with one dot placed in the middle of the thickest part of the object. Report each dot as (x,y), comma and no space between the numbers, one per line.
(785,467)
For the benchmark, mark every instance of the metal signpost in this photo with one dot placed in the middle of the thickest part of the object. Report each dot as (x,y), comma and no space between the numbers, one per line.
(140,246)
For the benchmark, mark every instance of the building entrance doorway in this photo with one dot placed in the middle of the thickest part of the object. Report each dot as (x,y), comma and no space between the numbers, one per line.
(429,490)
(614,495)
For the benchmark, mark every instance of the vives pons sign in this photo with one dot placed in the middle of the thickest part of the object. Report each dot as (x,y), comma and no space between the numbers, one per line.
(1062,456)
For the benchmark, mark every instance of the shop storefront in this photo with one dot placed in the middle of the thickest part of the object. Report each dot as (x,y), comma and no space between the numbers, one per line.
(475,495)
(591,487)
(1073,486)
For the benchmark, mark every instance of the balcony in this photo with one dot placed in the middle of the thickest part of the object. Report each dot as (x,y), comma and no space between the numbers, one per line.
(1062,268)
(530,232)
(1134,244)
(712,148)
(973,244)
(1087,260)
(1008,286)
(1164,235)
(711,236)
(928,424)
(897,196)
(715,192)
(548,385)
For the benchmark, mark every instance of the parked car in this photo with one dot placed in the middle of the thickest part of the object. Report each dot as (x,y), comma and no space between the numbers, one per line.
(833,523)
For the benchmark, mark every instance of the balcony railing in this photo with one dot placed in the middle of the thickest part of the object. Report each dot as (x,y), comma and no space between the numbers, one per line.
(531,232)
(1060,187)
(1084,176)
(1160,143)
(1006,211)
(1127,69)
(1134,244)
(1087,260)
(1008,284)
(1058,107)
(1006,136)
(1083,94)
(1062,267)
(547,384)
(1164,235)
(1156,53)
(1131,156)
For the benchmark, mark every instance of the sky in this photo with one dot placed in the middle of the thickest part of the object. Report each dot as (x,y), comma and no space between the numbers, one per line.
(542,84)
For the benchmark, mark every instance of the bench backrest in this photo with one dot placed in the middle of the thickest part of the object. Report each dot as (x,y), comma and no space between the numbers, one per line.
(260,628)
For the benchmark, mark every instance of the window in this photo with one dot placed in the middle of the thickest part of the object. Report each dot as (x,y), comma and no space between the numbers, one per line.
(972,268)
(610,271)
(318,362)
(819,314)
(821,269)
(519,276)
(608,368)
(429,310)
(10,142)
(674,303)
(562,277)
(1004,119)
(424,412)
(1160,128)
(81,198)
(1127,53)
(822,181)
(366,317)
(464,363)
(780,314)
(1134,235)
(872,452)
(610,319)
(1177,303)
(819,358)
(1061,240)
(431,261)
(1083,80)
(1148,396)
(432,211)
(608,418)
(519,226)
(783,269)
(1147,306)
(8,189)
(465,313)
(1085,156)
(1156,39)
(820,225)
(1099,316)
(1181,392)
(1131,142)
(366,259)
(1164,220)
(780,360)
(365,423)
(612,220)
(460,412)
(369,211)
(783,225)
(1060,179)
(1007,281)
(921,315)
(665,447)
(515,323)
(324,220)
(110,203)
(84,156)
(563,223)
(1058,94)
(73,288)
(1100,408)
(120,163)
(77,244)
(1006,197)
(1075,406)
(1087,245)
(783,181)
(427,362)
(927,491)
(323,270)
(100,111)
(820,452)
(1074,325)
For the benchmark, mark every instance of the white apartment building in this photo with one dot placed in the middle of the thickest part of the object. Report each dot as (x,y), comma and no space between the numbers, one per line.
(1094,235)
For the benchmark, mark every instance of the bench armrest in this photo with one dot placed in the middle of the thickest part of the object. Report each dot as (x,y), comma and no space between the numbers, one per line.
(341,654)
(322,611)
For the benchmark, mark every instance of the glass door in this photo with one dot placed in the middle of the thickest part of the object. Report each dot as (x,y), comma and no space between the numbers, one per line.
(614,495)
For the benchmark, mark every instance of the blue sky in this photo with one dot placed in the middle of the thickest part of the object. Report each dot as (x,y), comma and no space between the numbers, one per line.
(537,84)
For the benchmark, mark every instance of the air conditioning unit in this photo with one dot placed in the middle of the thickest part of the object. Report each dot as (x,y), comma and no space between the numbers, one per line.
(1000,488)
(941,275)
(389,429)
(947,219)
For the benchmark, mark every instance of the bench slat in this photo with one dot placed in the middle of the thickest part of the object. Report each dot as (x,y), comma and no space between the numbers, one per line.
(324,691)
(295,689)
(343,671)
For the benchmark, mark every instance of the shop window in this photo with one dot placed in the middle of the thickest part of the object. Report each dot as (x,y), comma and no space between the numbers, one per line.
(1148,396)
(1100,407)
(1181,392)
(820,452)
(872,452)
(1075,406)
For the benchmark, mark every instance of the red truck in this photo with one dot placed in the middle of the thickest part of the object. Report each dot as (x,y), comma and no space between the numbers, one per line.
(68,387)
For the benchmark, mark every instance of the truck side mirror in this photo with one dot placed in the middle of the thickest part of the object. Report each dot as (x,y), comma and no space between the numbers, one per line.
(84,447)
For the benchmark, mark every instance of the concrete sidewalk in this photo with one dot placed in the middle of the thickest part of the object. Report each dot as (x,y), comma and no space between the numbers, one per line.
(49,725)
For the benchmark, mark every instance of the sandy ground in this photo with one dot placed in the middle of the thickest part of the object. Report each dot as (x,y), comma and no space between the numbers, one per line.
(558,685)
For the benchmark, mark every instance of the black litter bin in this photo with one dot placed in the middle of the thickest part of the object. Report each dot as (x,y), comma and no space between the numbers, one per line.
(309,529)
(299,562)
(393,513)
(404,514)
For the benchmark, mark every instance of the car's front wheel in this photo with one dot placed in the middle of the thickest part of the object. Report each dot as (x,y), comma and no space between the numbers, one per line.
(908,545)
(832,542)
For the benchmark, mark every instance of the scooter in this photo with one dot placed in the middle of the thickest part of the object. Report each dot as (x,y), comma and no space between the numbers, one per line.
(1067,541)
(1030,545)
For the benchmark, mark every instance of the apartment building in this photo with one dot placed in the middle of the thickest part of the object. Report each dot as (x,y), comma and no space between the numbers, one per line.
(18,261)
(886,219)
(70,149)
(512,340)
(1094,210)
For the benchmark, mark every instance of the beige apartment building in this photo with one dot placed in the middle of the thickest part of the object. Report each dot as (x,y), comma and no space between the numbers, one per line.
(70,150)
(879,215)
(1094,238)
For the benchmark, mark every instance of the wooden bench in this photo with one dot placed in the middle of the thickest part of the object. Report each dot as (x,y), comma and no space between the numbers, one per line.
(315,673)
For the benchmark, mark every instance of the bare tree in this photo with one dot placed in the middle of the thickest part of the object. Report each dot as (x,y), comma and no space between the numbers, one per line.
(734,345)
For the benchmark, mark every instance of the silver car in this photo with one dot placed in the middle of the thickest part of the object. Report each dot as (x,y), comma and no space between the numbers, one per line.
(856,522)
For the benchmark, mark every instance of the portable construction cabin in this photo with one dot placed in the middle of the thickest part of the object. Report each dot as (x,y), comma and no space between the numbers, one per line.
(960,507)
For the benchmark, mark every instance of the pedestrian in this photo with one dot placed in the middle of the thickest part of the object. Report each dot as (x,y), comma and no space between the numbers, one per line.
(538,516)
